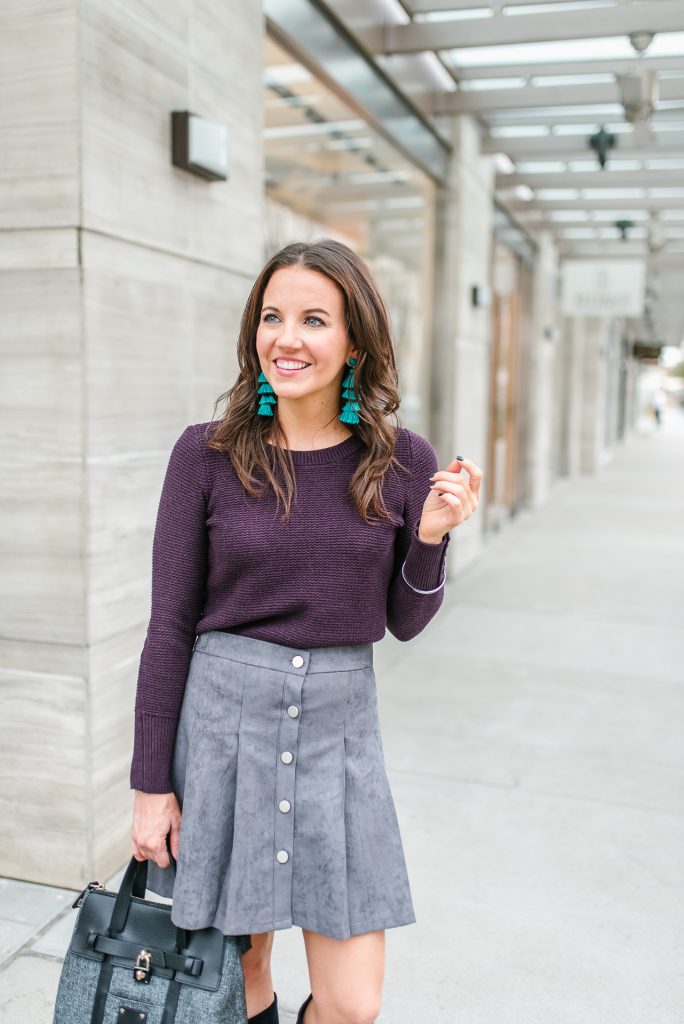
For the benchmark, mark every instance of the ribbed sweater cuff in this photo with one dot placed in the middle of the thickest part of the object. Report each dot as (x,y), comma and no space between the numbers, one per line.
(424,566)
(155,736)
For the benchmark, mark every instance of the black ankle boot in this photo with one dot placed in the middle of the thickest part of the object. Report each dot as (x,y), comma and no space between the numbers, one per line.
(302,1009)
(267,1016)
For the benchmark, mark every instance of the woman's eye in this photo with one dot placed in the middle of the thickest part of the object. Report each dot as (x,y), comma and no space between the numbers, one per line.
(266,316)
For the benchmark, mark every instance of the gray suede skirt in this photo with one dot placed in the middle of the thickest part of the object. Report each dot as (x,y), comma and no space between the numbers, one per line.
(287,814)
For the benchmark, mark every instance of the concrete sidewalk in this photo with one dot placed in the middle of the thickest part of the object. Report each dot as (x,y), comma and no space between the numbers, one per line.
(537,772)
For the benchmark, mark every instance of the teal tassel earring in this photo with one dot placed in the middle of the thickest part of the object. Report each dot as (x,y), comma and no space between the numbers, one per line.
(351,406)
(267,396)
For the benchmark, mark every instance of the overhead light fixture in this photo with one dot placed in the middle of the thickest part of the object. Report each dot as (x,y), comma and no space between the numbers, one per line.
(641,41)
(639,90)
(624,226)
(638,94)
(601,143)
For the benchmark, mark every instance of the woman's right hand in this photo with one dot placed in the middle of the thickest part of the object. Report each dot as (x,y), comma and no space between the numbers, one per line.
(154,816)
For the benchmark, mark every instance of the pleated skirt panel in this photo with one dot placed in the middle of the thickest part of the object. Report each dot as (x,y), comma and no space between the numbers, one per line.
(287,813)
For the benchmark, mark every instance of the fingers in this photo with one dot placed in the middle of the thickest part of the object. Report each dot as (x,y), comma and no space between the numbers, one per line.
(162,858)
(451,499)
(154,816)
(159,855)
(154,850)
(458,490)
(472,481)
(475,476)
(175,838)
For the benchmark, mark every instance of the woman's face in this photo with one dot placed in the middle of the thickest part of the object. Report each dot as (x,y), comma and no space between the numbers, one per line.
(302,322)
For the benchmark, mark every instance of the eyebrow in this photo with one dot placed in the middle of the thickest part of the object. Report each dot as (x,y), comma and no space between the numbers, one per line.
(316,309)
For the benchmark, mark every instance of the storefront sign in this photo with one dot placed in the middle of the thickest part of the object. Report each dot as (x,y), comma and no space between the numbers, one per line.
(603,287)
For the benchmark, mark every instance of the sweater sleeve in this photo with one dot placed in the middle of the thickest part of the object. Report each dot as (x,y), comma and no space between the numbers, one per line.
(179,571)
(408,612)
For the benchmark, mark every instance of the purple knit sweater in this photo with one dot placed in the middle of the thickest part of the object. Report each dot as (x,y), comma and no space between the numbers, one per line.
(223,560)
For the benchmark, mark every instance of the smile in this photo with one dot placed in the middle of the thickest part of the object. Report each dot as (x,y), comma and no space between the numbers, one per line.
(290,366)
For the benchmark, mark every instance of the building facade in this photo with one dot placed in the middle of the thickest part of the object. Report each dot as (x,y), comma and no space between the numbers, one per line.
(123,280)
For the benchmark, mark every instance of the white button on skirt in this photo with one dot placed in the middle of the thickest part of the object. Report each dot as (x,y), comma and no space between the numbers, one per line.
(333,861)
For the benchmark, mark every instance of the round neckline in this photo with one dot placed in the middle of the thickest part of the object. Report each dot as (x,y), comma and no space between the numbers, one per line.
(320,456)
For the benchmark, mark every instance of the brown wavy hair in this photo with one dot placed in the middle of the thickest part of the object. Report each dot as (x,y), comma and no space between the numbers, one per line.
(244,435)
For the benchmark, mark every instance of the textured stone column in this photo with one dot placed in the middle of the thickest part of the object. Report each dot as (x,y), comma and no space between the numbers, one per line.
(540,452)
(589,391)
(461,331)
(592,338)
(123,281)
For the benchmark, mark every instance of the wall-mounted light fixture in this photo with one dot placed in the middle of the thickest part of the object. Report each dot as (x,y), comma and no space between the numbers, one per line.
(199,146)
(481,296)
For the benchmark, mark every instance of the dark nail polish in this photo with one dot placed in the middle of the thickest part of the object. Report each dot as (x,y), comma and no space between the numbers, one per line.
(460,458)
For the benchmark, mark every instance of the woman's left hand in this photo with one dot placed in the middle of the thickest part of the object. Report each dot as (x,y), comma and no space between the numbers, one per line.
(452,499)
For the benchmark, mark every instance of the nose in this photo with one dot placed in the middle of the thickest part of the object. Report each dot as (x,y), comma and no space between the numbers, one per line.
(289,336)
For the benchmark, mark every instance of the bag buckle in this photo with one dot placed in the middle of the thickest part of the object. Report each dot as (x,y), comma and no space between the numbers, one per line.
(143,966)
(90,887)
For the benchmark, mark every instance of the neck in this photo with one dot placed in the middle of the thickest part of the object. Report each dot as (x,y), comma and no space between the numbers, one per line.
(310,431)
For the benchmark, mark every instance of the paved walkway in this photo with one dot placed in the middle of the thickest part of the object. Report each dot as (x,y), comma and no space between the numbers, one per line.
(533,737)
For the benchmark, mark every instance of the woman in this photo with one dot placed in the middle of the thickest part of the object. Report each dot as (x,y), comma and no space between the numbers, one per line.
(289,535)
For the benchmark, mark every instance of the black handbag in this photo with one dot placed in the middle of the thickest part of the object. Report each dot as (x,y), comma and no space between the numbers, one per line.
(128,962)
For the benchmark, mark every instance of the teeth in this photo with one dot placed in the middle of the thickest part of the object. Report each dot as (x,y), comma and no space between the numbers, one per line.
(288,364)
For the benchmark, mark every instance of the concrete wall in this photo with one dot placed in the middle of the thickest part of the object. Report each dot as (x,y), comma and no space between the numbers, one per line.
(122,286)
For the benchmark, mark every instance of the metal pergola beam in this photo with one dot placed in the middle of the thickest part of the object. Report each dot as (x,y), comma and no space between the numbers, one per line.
(576,147)
(344,191)
(594,179)
(651,16)
(522,207)
(430,6)
(312,32)
(595,247)
(614,239)
(288,123)
(540,69)
(602,116)
(483,100)
(558,226)
(671,230)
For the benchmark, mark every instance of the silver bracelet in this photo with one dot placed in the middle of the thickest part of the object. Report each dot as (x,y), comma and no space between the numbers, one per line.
(433,591)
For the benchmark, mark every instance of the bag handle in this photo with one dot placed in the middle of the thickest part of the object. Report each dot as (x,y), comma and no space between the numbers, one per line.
(140,880)
(134,883)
